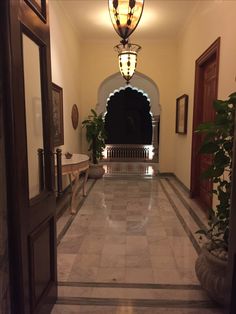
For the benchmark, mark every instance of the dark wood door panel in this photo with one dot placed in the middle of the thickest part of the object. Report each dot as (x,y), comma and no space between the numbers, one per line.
(208,114)
(39,7)
(206,84)
(31,218)
(42,270)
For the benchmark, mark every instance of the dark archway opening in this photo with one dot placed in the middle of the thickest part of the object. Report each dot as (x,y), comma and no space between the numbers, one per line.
(128,119)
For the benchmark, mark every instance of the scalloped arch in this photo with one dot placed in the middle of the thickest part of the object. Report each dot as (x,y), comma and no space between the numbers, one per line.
(131,87)
(139,82)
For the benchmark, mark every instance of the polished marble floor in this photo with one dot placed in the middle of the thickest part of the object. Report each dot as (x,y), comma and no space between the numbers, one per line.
(131,248)
(130,168)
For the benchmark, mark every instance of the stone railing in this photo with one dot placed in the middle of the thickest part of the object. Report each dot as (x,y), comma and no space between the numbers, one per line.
(128,152)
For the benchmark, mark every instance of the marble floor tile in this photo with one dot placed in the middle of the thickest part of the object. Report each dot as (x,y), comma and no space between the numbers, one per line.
(139,275)
(114,249)
(127,232)
(88,260)
(115,239)
(167,276)
(67,291)
(140,261)
(116,227)
(83,273)
(117,216)
(70,244)
(112,260)
(111,274)
(137,241)
(74,230)
(64,265)
(135,228)
(89,246)
(155,238)
(135,217)
(160,250)
(163,261)
(61,222)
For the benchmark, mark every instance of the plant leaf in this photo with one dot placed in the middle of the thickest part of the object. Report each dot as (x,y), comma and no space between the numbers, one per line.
(209,148)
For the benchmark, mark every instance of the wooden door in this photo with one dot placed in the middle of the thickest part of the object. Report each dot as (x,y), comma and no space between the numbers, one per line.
(28,116)
(206,82)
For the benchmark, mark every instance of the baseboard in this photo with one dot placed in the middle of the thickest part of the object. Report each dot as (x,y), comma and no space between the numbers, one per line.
(173,175)
(182,184)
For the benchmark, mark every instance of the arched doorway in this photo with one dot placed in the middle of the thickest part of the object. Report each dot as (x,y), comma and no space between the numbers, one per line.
(139,81)
(144,88)
(128,119)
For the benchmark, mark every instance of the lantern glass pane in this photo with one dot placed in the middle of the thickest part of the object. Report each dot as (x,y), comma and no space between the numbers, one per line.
(124,17)
(127,64)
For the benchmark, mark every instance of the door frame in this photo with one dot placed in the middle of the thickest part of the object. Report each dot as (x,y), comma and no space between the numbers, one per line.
(213,50)
(14,241)
(19,242)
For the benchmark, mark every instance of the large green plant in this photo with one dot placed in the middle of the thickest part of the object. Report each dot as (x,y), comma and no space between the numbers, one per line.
(218,142)
(95,134)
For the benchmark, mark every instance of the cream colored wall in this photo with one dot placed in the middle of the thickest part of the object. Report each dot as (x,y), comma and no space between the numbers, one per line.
(212,19)
(65,59)
(157,60)
(171,66)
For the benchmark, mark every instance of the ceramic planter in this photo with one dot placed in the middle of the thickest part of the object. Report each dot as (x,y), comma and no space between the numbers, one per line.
(211,272)
(96,171)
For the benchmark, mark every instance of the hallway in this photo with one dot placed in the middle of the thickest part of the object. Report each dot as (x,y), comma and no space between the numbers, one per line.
(131,248)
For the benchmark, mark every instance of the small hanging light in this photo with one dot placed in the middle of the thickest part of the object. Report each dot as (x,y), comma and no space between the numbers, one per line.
(127,59)
(125,16)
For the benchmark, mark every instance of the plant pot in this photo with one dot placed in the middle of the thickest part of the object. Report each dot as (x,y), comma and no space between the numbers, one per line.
(211,272)
(96,171)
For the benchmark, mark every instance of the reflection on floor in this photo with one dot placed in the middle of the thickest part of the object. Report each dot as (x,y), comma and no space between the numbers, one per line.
(131,248)
(130,168)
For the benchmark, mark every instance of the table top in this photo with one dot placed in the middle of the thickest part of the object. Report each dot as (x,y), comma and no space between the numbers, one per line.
(75,159)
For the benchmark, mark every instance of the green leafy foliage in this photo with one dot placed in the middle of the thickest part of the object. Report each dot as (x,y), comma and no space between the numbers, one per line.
(95,134)
(218,142)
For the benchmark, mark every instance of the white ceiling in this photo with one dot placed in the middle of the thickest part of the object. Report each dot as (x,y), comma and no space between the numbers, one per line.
(160,19)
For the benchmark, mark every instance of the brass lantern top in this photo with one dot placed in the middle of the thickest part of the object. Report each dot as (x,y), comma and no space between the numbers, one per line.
(125,16)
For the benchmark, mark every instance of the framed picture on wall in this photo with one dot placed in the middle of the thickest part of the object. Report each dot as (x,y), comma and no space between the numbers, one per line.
(58,125)
(181,114)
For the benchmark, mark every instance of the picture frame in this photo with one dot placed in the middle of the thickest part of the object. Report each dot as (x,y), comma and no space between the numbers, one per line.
(75,116)
(181,114)
(58,123)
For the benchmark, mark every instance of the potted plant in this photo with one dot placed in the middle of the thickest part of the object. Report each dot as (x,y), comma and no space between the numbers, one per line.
(218,142)
(95,134)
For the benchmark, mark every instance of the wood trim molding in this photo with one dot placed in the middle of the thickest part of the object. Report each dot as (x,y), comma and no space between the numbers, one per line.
(212,51)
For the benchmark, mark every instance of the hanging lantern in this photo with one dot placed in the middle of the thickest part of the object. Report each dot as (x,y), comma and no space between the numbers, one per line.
(125,16)
(127,59)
